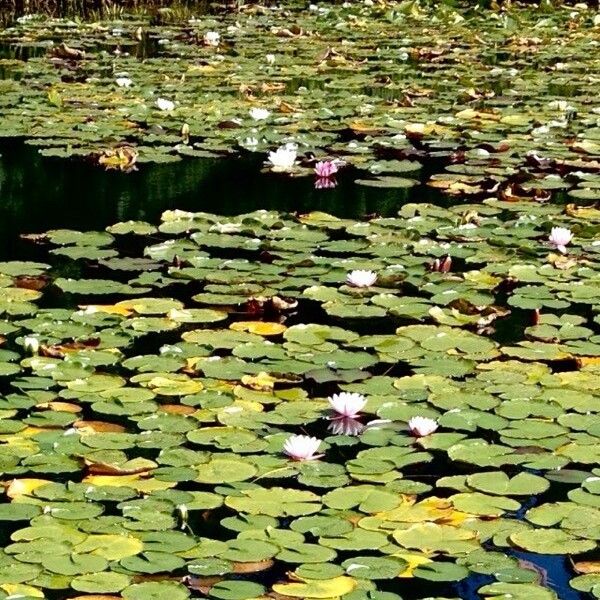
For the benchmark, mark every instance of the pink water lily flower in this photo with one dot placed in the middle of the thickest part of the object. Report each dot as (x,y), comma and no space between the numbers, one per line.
(560,237)
(441,265)
(347,404)
(302,447)
(422,426)
(326,168)
(346,426)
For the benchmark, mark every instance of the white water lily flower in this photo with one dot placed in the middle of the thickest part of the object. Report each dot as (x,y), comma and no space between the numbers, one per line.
(422,426)
(270,58)
(123,82)
(259,114)
(302,447)
(183,515)
(284,158)
(561,105)
(347,404)
(560,237)
(481,153)
(361,278)
(31,344)
(212,38)
(164,104)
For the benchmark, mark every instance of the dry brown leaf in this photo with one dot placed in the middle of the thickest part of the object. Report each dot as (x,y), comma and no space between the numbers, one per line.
(98,427)
(60,406)
(587,566)
(252,567)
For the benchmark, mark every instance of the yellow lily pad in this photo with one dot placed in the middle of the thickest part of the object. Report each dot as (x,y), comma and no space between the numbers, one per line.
(328,588)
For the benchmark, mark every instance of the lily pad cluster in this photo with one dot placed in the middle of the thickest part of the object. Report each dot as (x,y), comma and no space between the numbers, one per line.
(152,374)
(495,102)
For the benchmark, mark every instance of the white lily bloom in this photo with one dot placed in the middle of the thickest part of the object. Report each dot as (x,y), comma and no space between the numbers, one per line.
(361,278)
(422,426)
(212,38)
(31,344)
(302,447)
(284,158)
(164,104)
(347,404)
(259,114)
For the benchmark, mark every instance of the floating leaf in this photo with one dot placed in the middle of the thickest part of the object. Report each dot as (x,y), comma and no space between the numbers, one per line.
(326,588)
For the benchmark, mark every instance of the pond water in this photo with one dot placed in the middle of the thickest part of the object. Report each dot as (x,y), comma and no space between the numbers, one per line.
(40,193)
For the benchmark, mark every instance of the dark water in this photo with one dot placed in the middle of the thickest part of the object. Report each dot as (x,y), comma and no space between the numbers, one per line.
(37,193)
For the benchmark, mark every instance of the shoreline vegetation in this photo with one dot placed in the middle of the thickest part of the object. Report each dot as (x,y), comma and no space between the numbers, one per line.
(10,10)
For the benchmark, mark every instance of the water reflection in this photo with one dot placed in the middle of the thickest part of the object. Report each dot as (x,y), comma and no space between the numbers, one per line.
(22,52)
(40,193)
(551,571)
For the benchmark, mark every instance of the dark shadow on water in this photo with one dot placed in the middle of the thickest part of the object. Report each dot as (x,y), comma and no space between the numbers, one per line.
(554,572)
(557,572)
(37,193)
(23,52)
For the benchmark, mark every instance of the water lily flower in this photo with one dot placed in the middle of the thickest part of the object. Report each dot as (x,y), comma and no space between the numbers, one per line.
(270,58)
(284,158)
(183,514)
(123,81)
(164,104)
(361,278)
(326,168)
(346,426)
(259,114)
(212,38)
(422,426)
(441,266)
(302,447)
(31,344)
(561,105)
(347,404)
(560,237)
